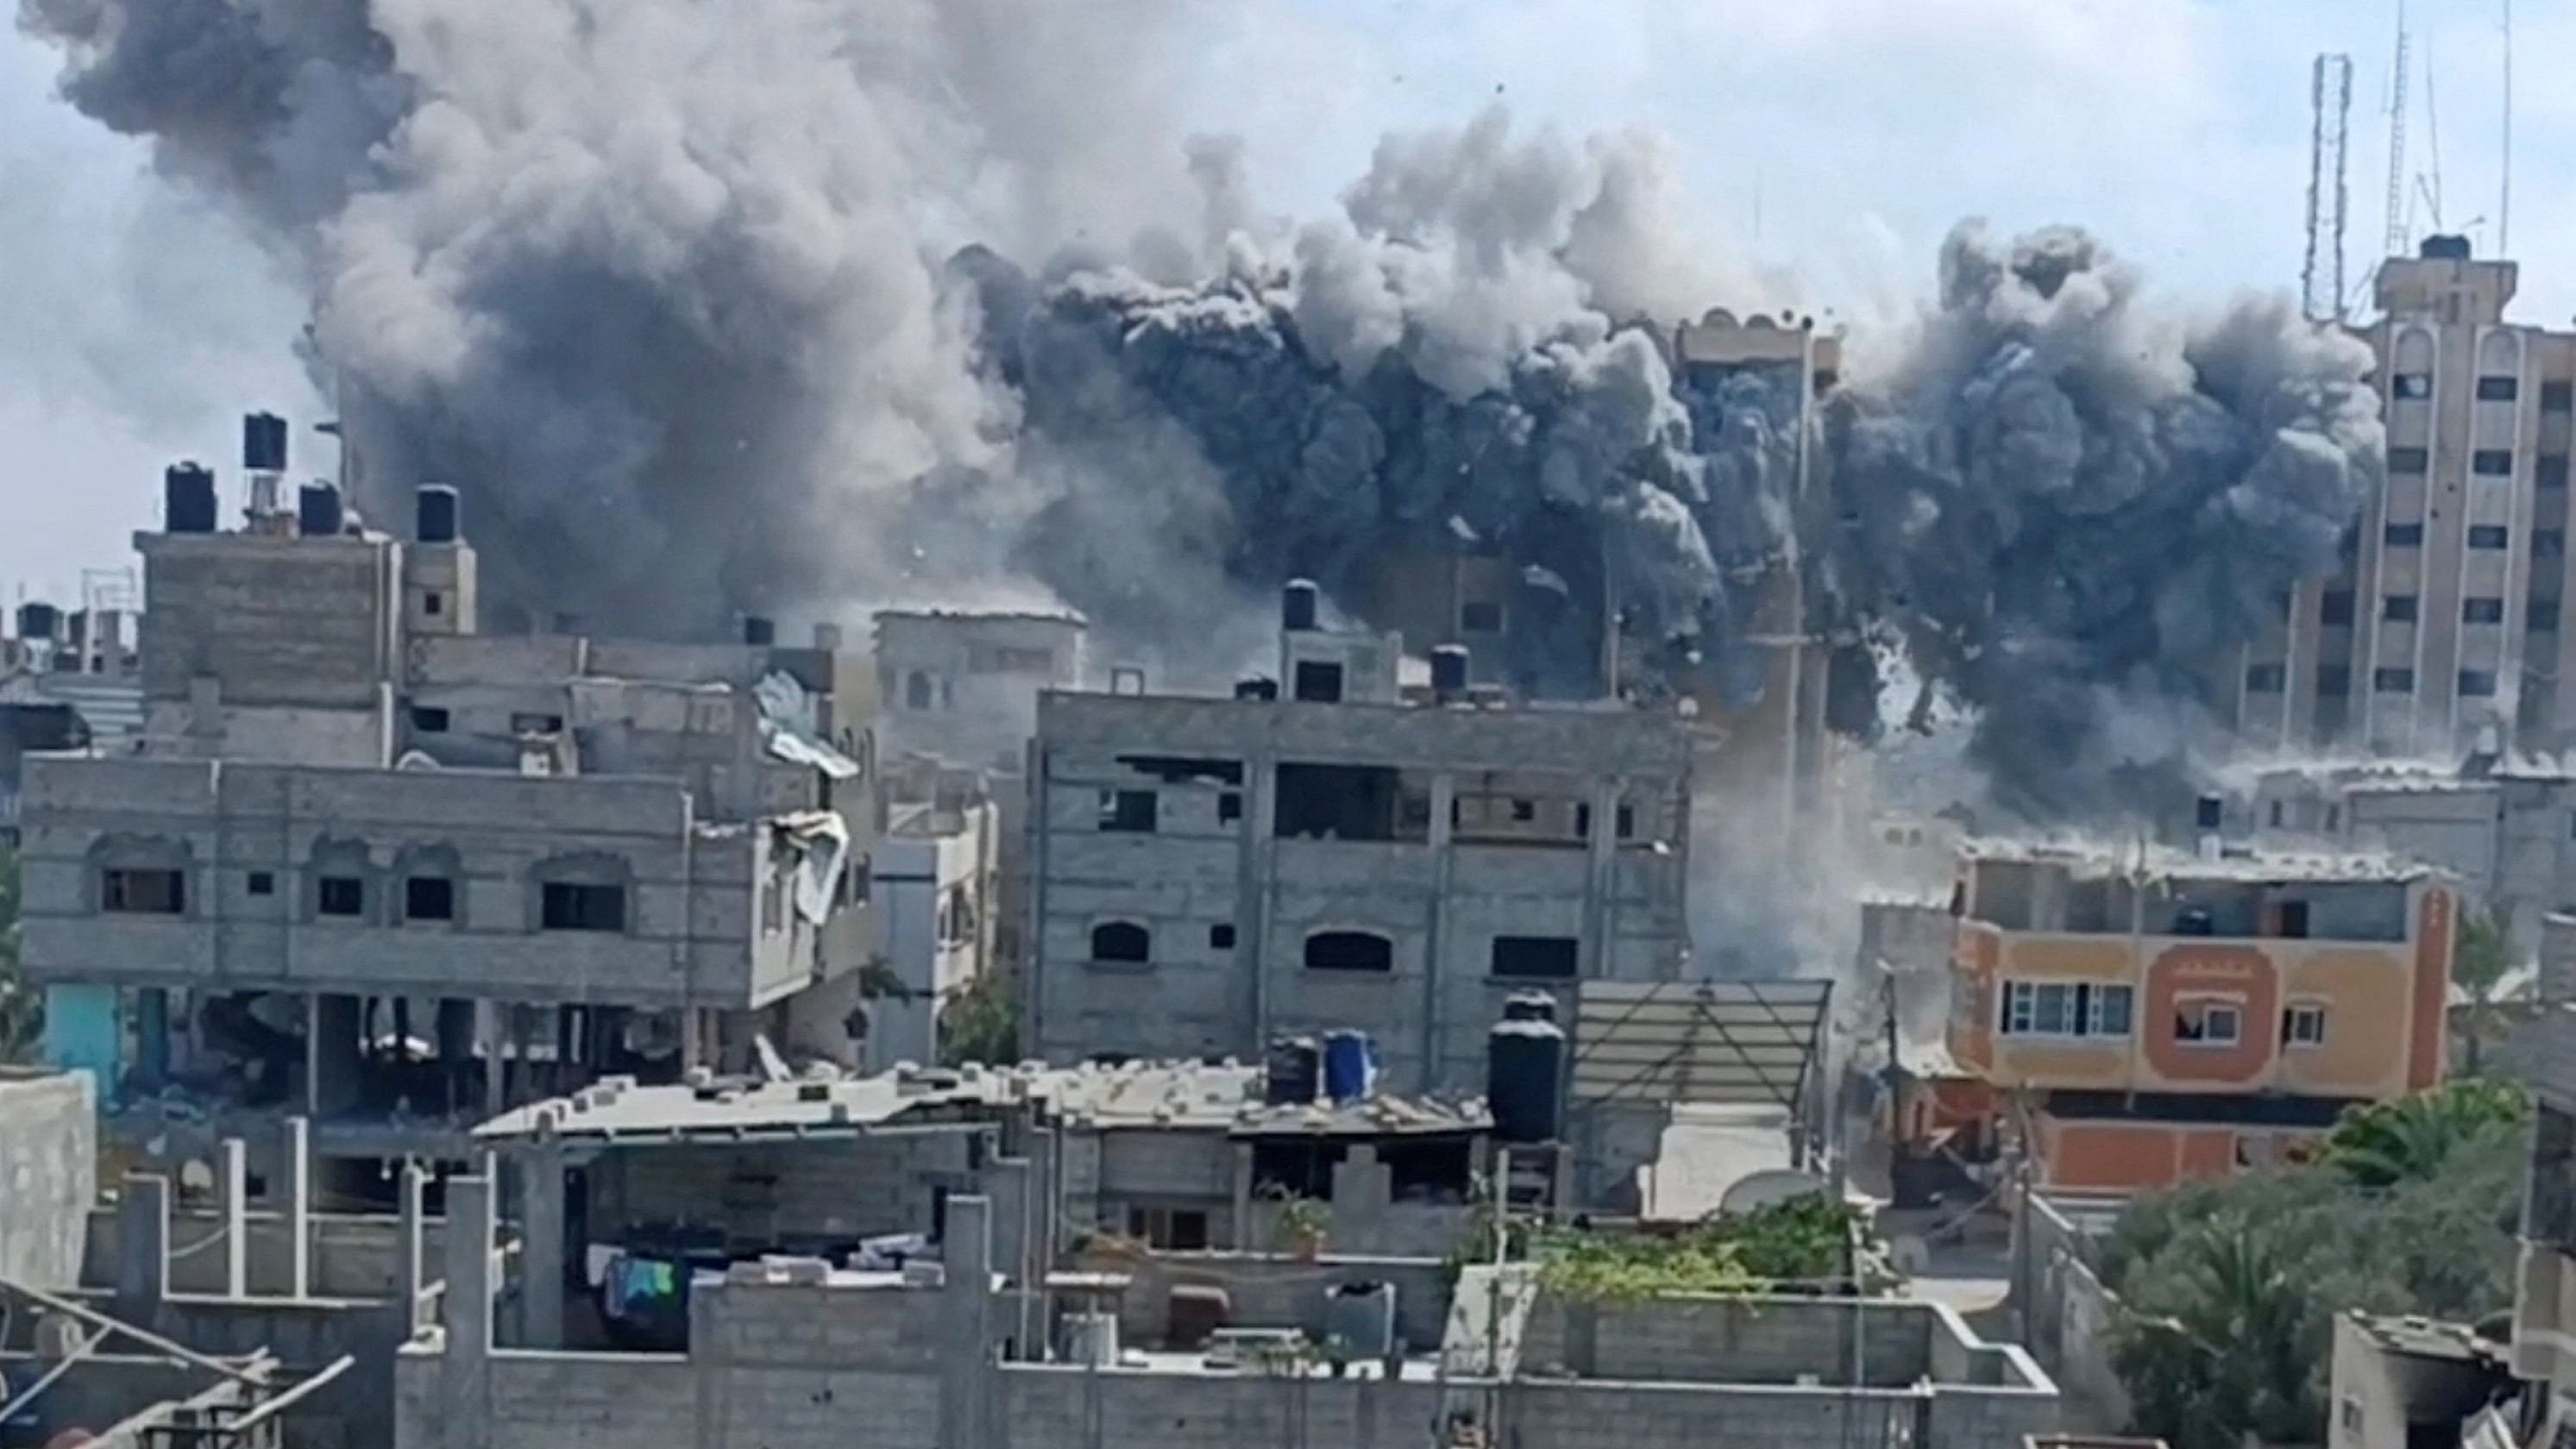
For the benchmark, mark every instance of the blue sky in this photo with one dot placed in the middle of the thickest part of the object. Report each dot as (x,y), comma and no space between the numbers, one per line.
(1835,138)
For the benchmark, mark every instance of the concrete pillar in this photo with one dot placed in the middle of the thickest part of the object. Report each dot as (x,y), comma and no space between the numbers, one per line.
(1594,957)
(491,1029)
(965,1327)
(295,1177)
(1007,1180)
(331,1054)
(1240,1237)
(456,1017)
(142,1247)
(408,1244)
(1436,934)
(232,1182)
(466,1312)
(541,1245)
(152,1036)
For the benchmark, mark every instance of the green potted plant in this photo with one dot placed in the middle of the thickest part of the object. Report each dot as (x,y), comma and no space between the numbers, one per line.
(1303,1222)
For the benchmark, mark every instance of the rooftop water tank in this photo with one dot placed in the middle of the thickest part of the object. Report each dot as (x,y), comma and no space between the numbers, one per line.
(1350,1066)
(434,514)
(317,510)
(1293,1072)
(188,499)
(1524,1074)
(1298,605)
(1449,671)
(1359,1322)
(263,443)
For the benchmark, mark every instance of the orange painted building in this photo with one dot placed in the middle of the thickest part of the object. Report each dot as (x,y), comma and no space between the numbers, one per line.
(2153,1017)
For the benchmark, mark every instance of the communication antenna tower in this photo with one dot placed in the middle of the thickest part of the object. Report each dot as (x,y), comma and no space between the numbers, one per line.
(2504,203)
(2394,244)
(2330,103)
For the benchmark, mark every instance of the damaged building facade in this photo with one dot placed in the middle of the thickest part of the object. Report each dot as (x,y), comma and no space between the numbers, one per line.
(369,865)
(1321,852)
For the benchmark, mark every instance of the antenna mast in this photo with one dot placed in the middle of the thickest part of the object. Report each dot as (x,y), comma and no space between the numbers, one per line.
(2395,243)
(2504,203)
(2330,103)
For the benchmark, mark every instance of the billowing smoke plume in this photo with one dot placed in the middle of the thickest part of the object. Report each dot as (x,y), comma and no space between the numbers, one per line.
(723,307)
(2072,510)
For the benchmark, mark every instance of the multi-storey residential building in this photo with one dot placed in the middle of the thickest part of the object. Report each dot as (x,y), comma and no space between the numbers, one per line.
(367,864)
(962,686)
(2443,626)
(1209,872)
(2145,1017)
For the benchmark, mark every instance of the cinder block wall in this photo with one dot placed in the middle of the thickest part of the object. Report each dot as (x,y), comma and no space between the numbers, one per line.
(48,1175)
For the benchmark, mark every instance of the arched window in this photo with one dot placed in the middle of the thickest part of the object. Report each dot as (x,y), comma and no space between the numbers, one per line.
(1349,951)
(1121,941)
(916,690)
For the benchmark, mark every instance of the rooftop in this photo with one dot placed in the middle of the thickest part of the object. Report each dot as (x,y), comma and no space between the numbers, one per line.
(2088,858)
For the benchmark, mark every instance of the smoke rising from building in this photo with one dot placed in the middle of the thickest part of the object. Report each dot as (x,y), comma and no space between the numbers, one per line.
(720,308)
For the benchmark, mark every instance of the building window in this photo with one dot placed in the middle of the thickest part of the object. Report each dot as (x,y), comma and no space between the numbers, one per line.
(2303,1024)
(1127,811)
(2487,535)
(2492,462)
(429,719)
(2477,684)
(917,693)
(2482,611)
(2403,535)
(2412,385)
(260,883)
(2541,616)
(2074,1009)
(1524,811)
(2334,680)
(1221,937)
(340,895)
(433,603)
(2334,819)
(1169,1230)
(536,724)
(2335,607)
(2557,397)
(1121,941)
(2393,681)
(2398,608)
(429,898)
(2549,543)
(1548,956)
(1480,617)
(1349,951)
(1626,822)
(570,906)
(2550,471)
(2275,814)
(2264,678)
(2408,460)
(1229,808)
(2209,1022)
(144,892)
(1318,682)
(2499,389)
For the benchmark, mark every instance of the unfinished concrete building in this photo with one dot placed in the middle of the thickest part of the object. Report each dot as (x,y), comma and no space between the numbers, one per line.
(1321,853)
(962,685)
(372,866)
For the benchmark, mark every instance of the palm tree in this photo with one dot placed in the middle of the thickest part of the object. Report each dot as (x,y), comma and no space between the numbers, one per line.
(2410,1139)
(2481,954)
(2231,1356)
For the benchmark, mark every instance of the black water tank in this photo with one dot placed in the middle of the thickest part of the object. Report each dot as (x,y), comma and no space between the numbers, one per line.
(264,443)
(2444,248)
(758,632)
(1297,604)
(38,621)
(1293,1073)
(1449,671)
(317,510)
(188,499)
(434,513)
(2209,813)
(1524,1061)
(1529,1006)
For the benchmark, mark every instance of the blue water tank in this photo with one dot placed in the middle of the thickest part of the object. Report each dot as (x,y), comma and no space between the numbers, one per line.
(1524,1072)
(1350,1065)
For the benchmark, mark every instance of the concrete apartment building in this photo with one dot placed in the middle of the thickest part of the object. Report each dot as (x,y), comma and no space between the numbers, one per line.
(2544,1302)
(1321,853)
(962,685)
(2443,628)
(369,865)
(936,887)
(2165,1017)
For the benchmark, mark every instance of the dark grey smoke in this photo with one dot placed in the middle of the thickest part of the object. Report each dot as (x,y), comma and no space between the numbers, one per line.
(711,307)
(2071,508)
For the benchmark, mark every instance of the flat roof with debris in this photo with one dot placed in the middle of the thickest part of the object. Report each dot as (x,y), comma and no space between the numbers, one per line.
(2236,863)
(1169,1096)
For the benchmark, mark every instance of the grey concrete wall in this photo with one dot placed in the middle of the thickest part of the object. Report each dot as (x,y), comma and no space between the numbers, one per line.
(280,621)
(782,1191)
(1275,1291)
(1770,1340)
(690,910)
(1440,901)
(2066,1315)
(48,1175)
(558,1401)
(352,1257)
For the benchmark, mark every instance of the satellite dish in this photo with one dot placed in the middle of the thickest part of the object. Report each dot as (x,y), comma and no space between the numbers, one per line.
(1770,1188)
